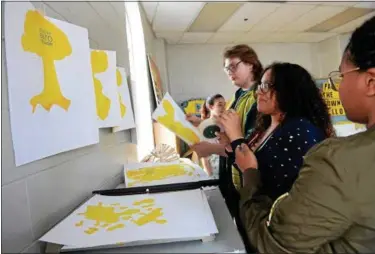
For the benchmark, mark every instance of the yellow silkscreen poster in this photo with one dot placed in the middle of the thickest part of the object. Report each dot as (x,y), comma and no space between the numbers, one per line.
(51,95)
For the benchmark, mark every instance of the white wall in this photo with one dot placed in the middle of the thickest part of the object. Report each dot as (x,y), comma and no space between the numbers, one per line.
(197,70)
(37,195)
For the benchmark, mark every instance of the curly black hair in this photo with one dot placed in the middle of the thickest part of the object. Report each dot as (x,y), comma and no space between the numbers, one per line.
(361,47)
(297,95)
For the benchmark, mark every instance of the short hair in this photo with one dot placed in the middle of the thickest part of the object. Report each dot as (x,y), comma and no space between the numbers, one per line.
(247,55)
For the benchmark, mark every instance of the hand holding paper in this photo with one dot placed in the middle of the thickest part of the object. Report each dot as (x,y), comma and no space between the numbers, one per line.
(172,117)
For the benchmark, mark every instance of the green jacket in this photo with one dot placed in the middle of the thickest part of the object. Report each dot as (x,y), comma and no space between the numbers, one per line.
(330,208)
(242,102)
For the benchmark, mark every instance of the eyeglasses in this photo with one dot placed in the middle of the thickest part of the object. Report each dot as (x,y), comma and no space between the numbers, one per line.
(264,87)
(335,78)
(232,68)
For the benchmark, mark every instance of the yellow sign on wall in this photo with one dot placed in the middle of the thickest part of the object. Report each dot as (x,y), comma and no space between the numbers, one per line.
(332,100)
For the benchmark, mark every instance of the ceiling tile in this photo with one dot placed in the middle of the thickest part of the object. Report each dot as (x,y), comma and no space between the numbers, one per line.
(280,37)
(150,9)
(365,4)
(312,37)
(339,19)
(175,16)
(252,37)
(213,16)
(350,26)
(338,3)
(285,14)
(224,37)
(253,12)
(313,17)
(191,37)
(170,37)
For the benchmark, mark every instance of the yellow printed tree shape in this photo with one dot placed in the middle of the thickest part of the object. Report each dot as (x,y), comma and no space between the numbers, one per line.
(50,43)
(108,218)
(99,63)
(154,173)
(180,130)
(119,82)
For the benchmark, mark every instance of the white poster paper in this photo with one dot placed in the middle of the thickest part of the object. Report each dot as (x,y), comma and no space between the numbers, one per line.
(51,95)
(171,116)
(149,173)
(106,220)
(103,65)
(127,117)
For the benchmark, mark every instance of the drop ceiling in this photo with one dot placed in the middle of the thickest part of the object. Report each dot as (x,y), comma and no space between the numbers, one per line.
(252,22)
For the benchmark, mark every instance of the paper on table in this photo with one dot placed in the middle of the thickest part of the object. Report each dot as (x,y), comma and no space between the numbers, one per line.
(171,116)
(150,173)
(106,220)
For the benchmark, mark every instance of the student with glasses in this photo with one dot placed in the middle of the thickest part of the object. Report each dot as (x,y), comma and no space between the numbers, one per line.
(292,118)
(243,68)
(331,205)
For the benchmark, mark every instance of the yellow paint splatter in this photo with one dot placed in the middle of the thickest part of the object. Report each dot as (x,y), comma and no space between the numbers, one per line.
(119,82)
(99,63)
(190,174)
(168,121)
(91,231)
(150,217)
(79,224)
(149,174)
(123,207)
(145,201)
(51,44)
(117,226)
(115,204)
(108,218)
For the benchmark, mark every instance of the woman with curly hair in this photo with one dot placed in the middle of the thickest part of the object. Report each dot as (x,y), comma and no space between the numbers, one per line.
(331,205)
(292,118)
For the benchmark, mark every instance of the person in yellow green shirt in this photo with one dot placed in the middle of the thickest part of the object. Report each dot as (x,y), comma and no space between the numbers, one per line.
(242,65)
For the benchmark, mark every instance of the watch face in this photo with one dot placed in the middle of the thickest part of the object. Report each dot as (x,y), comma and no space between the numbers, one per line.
(209,131)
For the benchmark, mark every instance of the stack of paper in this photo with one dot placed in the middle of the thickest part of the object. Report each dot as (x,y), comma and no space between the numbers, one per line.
(105,221)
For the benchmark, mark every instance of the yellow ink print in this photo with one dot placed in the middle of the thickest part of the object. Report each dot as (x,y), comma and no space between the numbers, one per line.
(91,231)
(51,44)
(149,174)
(109,219)
(123,207)
(79,224)
(115,227)
(122,105)
(190,174)
(168,121)
(99,63)
(145,201)
(150,217)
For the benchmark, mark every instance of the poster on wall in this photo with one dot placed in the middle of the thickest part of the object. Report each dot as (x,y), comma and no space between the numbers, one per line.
(156,79)
(127,117)
(50,87)
(108,109)
(342,125)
